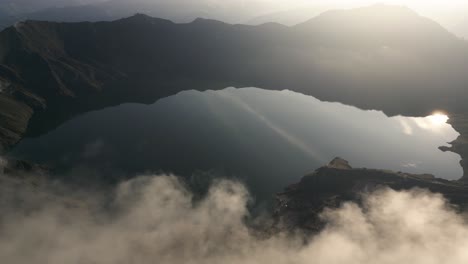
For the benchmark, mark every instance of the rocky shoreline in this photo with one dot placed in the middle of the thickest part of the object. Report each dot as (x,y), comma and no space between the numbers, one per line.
(460,146)
(301,204)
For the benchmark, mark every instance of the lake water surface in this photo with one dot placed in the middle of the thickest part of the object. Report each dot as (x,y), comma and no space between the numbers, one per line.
(268,138)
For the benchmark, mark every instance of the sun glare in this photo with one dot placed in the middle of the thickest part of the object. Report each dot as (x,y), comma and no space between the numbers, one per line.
(438,118)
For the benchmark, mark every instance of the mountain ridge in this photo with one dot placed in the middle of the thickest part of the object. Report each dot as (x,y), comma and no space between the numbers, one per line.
(59,70)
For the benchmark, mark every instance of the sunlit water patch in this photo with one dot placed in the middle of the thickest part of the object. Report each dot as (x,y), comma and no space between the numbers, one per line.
(268,138)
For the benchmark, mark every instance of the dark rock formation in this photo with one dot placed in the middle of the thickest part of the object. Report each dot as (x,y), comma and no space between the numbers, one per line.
(300,205)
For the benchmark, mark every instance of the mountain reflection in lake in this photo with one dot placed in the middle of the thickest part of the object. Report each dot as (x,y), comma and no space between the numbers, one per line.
(268,138)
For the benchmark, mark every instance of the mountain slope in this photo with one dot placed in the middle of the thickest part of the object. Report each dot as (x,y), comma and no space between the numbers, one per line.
(58,70)
(380,25)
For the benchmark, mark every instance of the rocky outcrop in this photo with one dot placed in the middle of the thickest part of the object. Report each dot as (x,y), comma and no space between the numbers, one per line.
(300,205)
(14,119)
(339,163)
(20,168)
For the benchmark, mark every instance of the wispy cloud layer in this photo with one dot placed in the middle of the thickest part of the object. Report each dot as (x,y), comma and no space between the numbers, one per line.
(156,220)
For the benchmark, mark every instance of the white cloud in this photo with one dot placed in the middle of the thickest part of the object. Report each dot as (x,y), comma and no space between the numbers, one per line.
(155,220)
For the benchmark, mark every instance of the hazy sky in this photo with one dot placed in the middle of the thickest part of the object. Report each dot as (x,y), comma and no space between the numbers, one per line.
(448,12)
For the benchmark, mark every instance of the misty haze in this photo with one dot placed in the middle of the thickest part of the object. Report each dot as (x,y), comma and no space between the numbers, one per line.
(257,131)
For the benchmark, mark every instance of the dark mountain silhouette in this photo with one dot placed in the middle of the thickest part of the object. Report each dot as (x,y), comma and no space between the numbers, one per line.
(380,57)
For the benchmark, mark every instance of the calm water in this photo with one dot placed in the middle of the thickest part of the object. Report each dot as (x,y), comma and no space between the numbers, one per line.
(267,138)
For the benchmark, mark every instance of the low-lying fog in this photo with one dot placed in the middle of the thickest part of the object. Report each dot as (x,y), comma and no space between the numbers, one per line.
(156,220)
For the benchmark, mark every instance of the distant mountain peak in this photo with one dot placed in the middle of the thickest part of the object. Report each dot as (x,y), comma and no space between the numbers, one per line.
(144,19)
(388,7)
(207,21)
(378,12)
(378,26)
